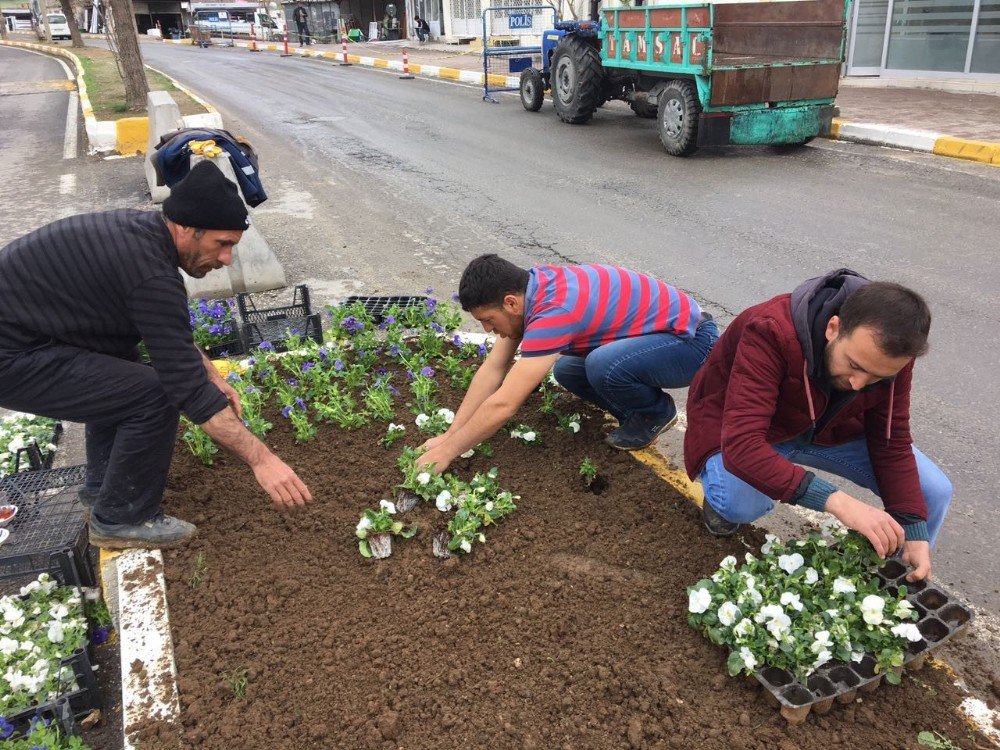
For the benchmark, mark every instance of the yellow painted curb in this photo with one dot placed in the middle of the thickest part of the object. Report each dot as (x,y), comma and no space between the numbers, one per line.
(835,127)
(676,478)
(452,73)
(415,68)
(380,63)
(354,59)
(132,135)
(181,87)
(960,148)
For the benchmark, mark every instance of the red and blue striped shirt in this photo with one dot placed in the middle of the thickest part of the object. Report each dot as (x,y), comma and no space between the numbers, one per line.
(575,309)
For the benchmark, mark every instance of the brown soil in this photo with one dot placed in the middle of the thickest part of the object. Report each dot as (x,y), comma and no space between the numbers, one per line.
(566,630)
(106,734)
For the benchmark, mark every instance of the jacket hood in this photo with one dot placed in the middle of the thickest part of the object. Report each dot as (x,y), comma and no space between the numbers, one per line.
(814,302)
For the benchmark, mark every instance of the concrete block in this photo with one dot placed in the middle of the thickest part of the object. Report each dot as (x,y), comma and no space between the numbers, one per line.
(132,135)
(205,120)
(164,116)
(215,285)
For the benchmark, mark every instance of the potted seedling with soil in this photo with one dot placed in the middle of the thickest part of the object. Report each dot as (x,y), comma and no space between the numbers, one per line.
(376,529)
(591,477)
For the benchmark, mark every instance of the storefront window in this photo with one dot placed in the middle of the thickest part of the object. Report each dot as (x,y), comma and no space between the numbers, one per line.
(986,51)
(930,34)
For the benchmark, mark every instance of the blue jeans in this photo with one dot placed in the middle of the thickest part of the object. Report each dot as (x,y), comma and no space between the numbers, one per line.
(627,377)
(422,35)
(737,501)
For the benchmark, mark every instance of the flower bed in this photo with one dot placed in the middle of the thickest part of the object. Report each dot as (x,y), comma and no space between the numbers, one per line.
(565,628)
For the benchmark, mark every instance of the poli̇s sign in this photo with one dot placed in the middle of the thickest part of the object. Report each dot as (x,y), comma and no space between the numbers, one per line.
(519,21)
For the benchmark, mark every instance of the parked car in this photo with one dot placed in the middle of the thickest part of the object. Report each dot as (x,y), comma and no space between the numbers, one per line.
(57,24)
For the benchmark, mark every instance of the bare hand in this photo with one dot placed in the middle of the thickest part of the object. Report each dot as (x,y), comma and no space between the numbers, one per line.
(917,554)
(432,443)
(281,483)
(433,461)
(885,534)
(232,396)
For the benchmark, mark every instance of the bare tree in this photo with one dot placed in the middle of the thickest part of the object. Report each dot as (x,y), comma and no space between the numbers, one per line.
(3,27)
(125,39)
(74,27)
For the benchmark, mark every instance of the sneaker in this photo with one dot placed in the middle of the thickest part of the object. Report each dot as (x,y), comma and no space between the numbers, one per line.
(159,532)
(716,524)
(641,432)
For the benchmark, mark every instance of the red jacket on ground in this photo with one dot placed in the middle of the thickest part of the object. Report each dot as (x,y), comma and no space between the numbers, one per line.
(752,393)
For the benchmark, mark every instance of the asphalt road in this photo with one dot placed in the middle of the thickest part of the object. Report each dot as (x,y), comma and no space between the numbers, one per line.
(390,185)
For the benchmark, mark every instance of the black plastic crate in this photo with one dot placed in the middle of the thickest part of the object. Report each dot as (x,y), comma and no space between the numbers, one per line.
(38,459)
(54,712)
(230,348)
(376,306)
(78,668)
(49,533)
(272,323)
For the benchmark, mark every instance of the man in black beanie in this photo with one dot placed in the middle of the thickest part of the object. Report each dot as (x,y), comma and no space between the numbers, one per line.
(76,297)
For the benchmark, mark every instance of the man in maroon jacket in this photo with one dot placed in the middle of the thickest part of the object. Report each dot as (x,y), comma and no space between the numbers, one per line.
(819,377)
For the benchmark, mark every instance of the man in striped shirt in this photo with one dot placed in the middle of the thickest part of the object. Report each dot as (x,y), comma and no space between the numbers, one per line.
(614,337)
(76,297)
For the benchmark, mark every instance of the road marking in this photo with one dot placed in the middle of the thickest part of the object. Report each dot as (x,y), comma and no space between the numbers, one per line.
(67,184)
(72,122)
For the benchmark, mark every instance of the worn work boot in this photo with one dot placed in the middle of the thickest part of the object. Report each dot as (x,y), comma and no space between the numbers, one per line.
(716,524)
(159,532)
(641,432)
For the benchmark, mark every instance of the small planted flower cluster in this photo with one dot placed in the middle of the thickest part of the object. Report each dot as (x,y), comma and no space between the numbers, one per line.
(380,521)
(212,322)
(436,423)
(18,431)
(38,629)
(804,604)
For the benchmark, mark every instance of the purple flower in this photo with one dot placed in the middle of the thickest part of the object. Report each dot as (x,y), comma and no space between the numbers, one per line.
(307,366)
(301,404)
(410,375)
(390,319)
(457,341)
(286,412)
(338,365)
(427,372)
(352,324)
(99,636)
(436,328)
(6,728)
(323,353)
(362,353)
(393,390)
(292,382)
(266,346)
(252,361)
(431,305)
(246,424)
(456,296)
(394,350)
(250,389)
(482,350)
(381,371)
(428,290)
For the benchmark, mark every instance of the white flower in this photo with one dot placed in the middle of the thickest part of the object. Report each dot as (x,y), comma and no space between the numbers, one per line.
(489,506)
(482,538)
(466,545)
(448,414)
(468,454)
(744,628)
(528,437)
(717,577)
(393,427)
(699,600)
(8,646)
(423,477)
(831,527)
(749,660)
(750,559)
(907,630)
(749,580)
(788,599)
(791,563)
(903,610)
(58,611)
(871,609)
(753,595)
(387,505)
(811,576)
(575,426)
(769,541)
(728,613)
(779,625)
(857,656)
(443,501)
(844,586)
(822,658)
(822,641)
(728,564)
(364,523)
(516,433)
(421,420)
(56,634)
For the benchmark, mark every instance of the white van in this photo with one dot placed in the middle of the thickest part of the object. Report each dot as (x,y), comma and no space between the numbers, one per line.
(58,26)
(235,20)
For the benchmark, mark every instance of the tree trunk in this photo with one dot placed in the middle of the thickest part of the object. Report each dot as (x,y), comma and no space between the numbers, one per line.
(126,39)
(74,27)
(3,27)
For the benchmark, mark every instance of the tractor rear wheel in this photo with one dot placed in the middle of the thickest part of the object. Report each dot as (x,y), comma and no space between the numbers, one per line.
(532,89)
(577,80)
(677,118)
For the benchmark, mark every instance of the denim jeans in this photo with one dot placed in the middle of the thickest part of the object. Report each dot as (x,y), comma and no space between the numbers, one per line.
(422,35)
(627,377)
(737,501)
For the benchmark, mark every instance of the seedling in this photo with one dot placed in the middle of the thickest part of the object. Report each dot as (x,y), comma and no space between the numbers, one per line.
(588,472)
(238,682)
(936,740)
(200,567)
(198,441)
(376,529)
(394,433)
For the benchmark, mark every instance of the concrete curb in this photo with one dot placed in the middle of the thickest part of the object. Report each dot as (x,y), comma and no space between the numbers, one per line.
(129,135)
(916,140)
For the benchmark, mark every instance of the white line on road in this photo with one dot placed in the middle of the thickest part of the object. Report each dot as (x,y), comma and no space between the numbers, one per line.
(67,184)
(72,113)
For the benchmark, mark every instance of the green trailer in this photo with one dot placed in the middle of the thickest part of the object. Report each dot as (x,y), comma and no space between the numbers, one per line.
(712,74)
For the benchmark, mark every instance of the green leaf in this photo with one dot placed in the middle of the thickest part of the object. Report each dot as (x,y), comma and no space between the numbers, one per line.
(892,677)
(364,549)
(407,533)
(735,663)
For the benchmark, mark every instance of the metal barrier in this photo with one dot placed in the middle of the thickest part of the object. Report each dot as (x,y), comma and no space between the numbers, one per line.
(512,42)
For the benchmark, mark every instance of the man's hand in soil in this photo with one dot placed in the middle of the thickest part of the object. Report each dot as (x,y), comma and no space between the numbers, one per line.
(434,442)
(492,413)
(917,554)
(232,396)
(881,529)
(272,474)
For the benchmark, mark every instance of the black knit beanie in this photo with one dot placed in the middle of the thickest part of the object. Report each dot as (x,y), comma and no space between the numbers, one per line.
(205,199)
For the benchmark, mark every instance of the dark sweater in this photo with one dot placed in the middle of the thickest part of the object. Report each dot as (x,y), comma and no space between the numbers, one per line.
(102,282)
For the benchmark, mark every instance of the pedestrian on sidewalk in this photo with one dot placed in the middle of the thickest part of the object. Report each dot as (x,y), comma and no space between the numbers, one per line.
(422,28)
(614,337)
(819,378)
(301,18)
(76,298)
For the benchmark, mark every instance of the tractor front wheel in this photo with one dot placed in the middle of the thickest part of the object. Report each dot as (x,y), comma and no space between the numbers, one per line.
(577,80)
(532,89)
(677,117)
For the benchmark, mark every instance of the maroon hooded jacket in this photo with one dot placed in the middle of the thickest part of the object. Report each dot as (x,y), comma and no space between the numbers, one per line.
(764,384)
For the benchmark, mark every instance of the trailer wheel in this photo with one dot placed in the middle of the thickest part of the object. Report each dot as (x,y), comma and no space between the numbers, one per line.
(577,80)
(532,89)
(678,118)
(643,109)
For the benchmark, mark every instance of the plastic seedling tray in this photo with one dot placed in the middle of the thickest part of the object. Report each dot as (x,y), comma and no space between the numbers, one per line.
(38,459)
(232,347)
(78,668)
(271,324)
(941,618)
(56,712)
(376,306)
